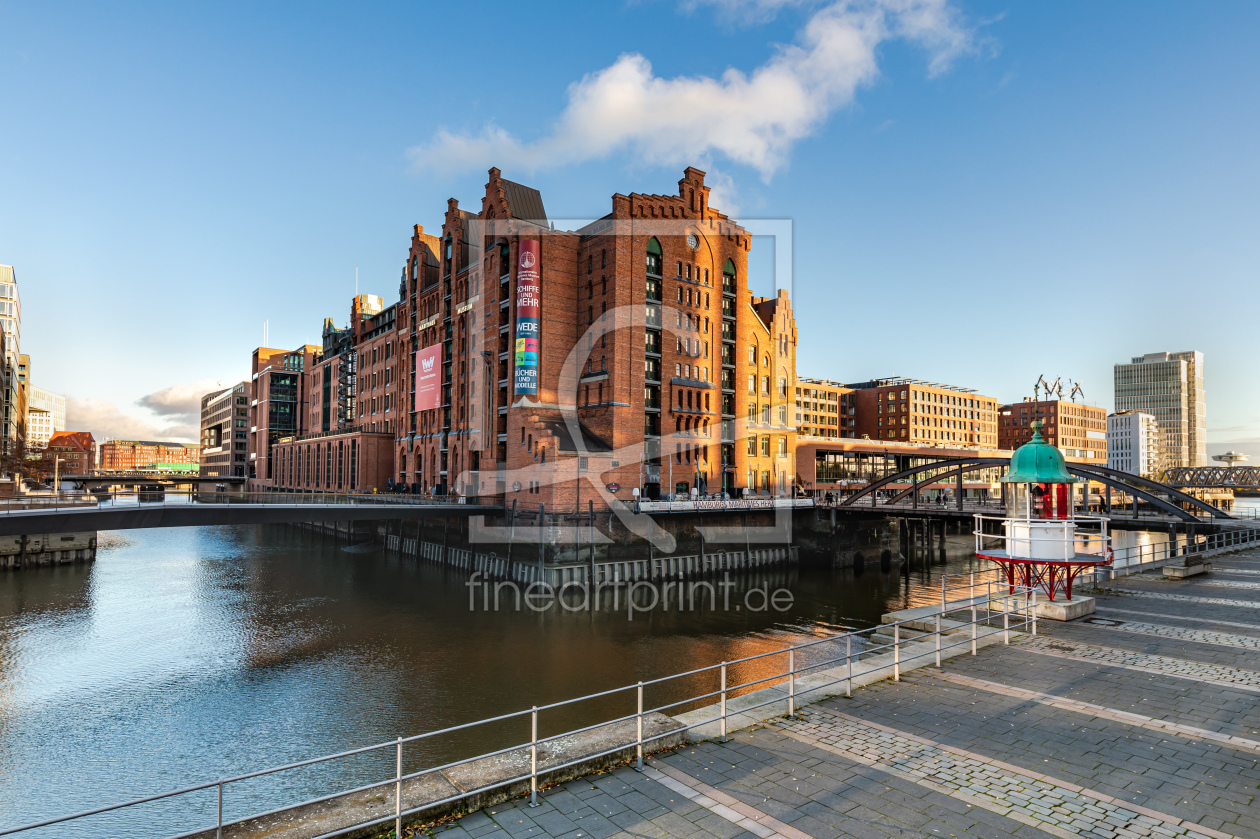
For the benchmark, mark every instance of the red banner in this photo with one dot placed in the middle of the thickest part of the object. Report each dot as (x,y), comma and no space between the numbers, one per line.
(429,378)
(528,317)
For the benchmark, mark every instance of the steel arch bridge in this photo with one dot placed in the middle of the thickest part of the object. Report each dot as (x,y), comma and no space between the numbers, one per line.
(1213,477)
(946,471)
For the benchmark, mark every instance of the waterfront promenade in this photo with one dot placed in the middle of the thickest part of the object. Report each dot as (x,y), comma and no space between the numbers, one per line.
(1143,720)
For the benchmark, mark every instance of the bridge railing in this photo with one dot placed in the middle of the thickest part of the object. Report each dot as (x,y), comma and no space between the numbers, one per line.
(765,684)
(702,504)
(146,498)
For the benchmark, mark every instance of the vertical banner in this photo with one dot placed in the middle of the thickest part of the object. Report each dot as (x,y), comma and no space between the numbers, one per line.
(528,310)
(429,378)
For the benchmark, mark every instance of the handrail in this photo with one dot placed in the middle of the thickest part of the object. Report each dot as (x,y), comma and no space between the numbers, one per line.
(1033,541)
(1020,602)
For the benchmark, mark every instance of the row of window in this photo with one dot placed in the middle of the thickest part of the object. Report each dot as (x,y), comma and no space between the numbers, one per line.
(762,444)
(765,385)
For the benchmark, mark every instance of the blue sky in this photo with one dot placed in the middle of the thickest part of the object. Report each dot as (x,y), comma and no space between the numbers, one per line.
(981,192)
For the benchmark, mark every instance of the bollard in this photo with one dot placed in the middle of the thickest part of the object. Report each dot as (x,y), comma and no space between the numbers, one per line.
(1006,620)
(1034,611)
(218,833)
(724,702)
(639,746)
(533,757)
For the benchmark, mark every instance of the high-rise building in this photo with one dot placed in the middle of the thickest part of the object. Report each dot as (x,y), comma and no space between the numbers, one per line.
(528,363)
(1077,430)
(277,406)
(1169,386)
(13,395)
(1133,443)
(45,415)
(926,413)
(225,432)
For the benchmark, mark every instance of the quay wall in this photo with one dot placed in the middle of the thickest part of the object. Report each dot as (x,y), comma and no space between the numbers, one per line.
(576,549)
(31,550)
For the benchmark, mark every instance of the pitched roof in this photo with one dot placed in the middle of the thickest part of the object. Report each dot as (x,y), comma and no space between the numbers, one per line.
(79,440)
(524,202)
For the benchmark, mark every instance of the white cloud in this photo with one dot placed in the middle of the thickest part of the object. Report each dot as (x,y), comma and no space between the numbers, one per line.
(182,400)
(753,119)
(104,419)
(746,11)
(175,414)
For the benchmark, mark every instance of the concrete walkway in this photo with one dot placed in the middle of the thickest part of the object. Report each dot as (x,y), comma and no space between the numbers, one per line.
(1143,720)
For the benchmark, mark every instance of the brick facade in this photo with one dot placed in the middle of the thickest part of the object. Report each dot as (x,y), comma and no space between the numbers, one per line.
(146,455)
(76,451)
(1079,430)
(278,402)
(647,338)
(925,413)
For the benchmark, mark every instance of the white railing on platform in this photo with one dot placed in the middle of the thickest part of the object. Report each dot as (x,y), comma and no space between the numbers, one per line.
(1045,539)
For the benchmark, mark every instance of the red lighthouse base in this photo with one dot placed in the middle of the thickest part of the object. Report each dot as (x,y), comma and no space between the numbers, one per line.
(1051,576)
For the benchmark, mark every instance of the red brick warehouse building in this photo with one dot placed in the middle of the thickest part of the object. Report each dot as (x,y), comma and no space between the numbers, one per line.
(562,367)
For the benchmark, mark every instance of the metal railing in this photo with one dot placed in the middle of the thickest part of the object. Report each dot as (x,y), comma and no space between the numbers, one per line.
(722,504)
(1138,558)
(1036,544)
(831,662)
(146,498)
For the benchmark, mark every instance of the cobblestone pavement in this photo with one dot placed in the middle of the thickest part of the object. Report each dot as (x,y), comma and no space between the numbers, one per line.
(1197,620)
(1185,598)
(1242,584)
(1054,806)
(1120,728)
(1143,661)
(1181,633)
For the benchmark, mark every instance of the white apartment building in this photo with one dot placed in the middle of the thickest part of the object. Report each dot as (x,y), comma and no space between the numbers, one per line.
(1133,443)
(1169,386)
(45,416)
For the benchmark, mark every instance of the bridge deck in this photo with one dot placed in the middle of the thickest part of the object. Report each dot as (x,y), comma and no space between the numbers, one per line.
(110,516)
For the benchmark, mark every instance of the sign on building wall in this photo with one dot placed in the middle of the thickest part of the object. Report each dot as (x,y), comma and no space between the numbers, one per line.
(429,378)
(528,311)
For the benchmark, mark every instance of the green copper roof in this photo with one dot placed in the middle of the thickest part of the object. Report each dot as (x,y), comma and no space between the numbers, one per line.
(1038,462)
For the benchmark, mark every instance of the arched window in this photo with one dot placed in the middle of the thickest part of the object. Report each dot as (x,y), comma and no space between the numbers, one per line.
(415,267)
(505,256)
(654,257)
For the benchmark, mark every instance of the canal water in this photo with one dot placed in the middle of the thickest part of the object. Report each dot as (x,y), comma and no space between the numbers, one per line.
(185,654)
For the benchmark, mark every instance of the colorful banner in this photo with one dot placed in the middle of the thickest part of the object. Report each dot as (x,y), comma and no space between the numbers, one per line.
(429,378)
(528,311)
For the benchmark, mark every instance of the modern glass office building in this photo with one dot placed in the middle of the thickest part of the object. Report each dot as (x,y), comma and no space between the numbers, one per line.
(1169,386)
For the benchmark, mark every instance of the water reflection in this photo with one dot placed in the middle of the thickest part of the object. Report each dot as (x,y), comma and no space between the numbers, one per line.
(186,653)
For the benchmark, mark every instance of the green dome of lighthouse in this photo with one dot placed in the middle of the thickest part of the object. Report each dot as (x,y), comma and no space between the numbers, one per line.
(1038,462)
